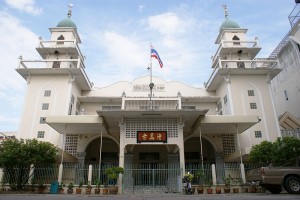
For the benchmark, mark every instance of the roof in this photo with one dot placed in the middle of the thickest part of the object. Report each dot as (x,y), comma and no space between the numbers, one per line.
(66,23)
(228,23)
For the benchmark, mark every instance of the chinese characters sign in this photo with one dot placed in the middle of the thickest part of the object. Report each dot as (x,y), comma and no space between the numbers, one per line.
(152,136)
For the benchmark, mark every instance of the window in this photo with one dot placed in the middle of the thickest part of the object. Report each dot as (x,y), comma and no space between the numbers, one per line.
(188,107)
(253,106)
(71,105)
(236,38)
(42,120)
(250,93)
(258,134)
(61,37)
(41,134)
(225,99)
(45,106)
(47,93)
(219,108)
(286,95)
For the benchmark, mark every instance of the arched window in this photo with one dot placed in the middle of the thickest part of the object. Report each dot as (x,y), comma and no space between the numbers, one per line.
(61,37)
(236,38)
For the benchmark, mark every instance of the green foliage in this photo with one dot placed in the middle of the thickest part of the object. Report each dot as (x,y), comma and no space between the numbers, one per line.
(70,186)
(227,180)
(200,176)
(97,183)
(113,173)
(18,157)
(282,152)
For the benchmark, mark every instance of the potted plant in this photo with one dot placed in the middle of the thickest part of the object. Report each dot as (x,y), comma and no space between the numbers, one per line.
(88,189)
(105,189)
(235,189)
(113,174)
(97,183)
(61,189)
(218,189)
(79,189)
(244,186)
(70,188)
(227,181)
(41,188)
(201,179)
(209,184)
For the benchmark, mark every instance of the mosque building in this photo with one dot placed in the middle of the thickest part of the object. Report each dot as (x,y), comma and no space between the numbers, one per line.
(149,123)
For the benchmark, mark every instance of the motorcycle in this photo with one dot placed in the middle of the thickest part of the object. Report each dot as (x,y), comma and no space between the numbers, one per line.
(187,185)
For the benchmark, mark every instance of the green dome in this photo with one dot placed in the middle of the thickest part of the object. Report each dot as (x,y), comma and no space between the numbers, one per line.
(228,23)
(66,23)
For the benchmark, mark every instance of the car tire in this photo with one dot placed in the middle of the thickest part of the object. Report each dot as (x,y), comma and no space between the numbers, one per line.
(292,185)
(275,189)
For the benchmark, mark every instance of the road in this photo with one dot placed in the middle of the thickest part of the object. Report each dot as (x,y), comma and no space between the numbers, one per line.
(240,196)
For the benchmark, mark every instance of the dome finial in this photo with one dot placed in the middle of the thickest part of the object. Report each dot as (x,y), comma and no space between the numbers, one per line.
(225,10)
(70,10)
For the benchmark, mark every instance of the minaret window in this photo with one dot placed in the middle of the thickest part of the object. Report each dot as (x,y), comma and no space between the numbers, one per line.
(45,106)
(236,38)
(61,37)
(47,93)
(41,134)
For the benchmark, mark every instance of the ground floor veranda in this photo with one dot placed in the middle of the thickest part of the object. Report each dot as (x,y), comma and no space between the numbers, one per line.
(193,141)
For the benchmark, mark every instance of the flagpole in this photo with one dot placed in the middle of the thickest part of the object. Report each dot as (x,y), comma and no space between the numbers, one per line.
(151,85)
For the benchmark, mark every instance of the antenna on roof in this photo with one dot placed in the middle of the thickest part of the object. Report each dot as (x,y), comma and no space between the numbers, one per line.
(225,10)
(70,10)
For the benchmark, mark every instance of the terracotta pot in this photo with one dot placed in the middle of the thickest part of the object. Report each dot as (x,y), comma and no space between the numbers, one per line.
(200,190)
(209,191)
(235,190)
(61,190)
(70,191)
(97,191)
(88,191)
(227,190)
(105,191)
(245,190)
(218,190)
(113,190)
(78,190)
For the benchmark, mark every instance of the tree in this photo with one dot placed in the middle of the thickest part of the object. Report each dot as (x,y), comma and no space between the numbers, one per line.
(283,152)
(18,157)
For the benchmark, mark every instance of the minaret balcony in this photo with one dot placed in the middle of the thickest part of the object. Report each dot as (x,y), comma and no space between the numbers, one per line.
(64,47)
(234,48)
(257,63)
(52,63)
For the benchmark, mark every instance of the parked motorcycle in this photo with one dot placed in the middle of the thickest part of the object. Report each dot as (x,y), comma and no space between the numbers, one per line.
(187,185)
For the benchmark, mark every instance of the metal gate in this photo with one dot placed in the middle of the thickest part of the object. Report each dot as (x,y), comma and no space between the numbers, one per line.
(151,178)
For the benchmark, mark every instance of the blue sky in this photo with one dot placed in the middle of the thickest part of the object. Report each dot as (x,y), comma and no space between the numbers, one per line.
(116,35)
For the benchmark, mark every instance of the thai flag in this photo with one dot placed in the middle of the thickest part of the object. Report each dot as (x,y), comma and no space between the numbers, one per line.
(154,54)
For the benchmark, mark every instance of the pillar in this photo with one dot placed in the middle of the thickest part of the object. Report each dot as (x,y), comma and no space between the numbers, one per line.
(30,174)
(173,177)
(90,173)
(213,174)
(243,172)
(1,177)
(128,177)
(60,172)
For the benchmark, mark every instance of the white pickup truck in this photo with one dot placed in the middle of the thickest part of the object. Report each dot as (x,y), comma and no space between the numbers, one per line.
(276,178)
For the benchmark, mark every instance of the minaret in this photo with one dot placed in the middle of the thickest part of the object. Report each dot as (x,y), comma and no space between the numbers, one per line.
(53,83)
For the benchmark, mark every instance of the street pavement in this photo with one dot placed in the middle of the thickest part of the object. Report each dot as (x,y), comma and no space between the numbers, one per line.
(239,196)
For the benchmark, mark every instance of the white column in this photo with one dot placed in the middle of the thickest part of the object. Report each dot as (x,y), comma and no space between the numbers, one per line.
(30,174)
(213,174)
(121,157)
(60,171)
(230,98)
(243,172)
(1,176)
(90,174)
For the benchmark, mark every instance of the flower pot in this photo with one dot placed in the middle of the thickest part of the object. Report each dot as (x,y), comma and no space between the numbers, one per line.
(78,190)
(61,190)
(235,190)
(105,191)
(209,190)
(200,190)
(227,190)
(218,190)
(70,191)
(113,190)
(88,191)
(97,191)
(245,190)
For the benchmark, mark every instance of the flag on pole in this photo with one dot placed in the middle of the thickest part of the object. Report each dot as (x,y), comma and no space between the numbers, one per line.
(154,54)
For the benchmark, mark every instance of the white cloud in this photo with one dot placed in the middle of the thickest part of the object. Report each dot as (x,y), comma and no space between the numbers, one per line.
(25,5)
(15,40)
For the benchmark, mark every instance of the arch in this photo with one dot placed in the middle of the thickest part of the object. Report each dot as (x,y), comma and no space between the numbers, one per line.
(61,37)
(206,138)
(237,39)
(98,136)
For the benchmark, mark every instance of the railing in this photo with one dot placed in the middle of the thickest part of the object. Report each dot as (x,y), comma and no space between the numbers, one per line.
(234,44)
(52,63)
(155,104)
(291,133)
(249,64)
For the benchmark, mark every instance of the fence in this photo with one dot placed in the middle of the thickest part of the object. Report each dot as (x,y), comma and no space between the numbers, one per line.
(166,176)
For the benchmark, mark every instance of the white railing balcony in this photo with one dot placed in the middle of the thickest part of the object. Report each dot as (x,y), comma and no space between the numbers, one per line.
(52,63)
(151,105)
(291,133)
(250,64)
(235,44)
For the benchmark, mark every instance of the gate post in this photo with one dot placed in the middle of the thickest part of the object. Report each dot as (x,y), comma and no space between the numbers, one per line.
(213,173)
(90,173)
(243,172)
(60,171)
